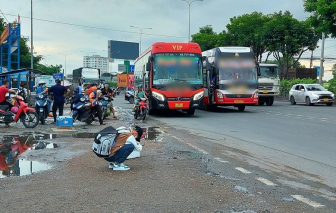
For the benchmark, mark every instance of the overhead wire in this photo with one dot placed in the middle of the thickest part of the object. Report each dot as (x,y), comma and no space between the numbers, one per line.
(4,16)
(98,28)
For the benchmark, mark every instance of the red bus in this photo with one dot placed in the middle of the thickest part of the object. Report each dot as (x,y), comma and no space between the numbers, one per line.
(171,74)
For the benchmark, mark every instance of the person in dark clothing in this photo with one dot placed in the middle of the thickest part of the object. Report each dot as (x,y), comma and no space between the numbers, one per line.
(3,91)
(58,91)
(95,104)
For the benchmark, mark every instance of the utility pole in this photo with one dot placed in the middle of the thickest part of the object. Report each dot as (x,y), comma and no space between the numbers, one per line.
(31,39)
(322,59)
(189,3)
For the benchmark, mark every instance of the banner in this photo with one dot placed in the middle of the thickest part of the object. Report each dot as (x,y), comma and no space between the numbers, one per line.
(4,35)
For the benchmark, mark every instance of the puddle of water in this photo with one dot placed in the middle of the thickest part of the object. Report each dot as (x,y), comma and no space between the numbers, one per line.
(151,133)
(288,199)
(23,167)
(191,154)
(240,188)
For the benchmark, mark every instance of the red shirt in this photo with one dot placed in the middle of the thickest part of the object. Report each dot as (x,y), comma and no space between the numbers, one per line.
(3,91)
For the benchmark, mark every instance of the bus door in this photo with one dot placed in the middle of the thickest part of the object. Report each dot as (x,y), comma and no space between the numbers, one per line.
(207,77)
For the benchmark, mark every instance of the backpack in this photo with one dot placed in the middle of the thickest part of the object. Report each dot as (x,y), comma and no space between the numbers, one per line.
(106,139)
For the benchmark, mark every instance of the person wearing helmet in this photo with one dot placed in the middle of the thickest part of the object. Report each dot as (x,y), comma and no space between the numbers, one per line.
(126,142)
(139,94)
(40,89)
(95,104)
(108,92)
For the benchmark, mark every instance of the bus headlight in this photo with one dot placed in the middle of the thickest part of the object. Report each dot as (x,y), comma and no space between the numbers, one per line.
(198,96)
(158,96)
(219,94)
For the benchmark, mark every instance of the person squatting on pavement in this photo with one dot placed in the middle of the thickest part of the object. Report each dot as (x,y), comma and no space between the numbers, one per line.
(125,145)
(93,96)
(59,92)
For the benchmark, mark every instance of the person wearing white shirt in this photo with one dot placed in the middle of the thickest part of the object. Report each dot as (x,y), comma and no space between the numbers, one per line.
(126,142)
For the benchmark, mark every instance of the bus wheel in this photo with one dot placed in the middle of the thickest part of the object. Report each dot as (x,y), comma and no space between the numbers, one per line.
(270,101)
(190,111)
(151,112)
(241,108)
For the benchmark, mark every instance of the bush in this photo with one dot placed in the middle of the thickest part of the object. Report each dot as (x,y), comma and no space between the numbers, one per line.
(332,85)
(112,84)
(286,85)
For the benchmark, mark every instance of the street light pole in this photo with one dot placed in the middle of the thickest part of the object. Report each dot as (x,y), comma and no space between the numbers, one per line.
(31,32)
(141,29)
(65,55)
(189,3)
(322,59)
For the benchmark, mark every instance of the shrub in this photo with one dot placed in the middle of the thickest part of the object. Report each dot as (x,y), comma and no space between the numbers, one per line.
(112,84)
(286,85)
(332,85)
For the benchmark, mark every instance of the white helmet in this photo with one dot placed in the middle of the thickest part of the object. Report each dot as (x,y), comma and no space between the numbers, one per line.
(41,82)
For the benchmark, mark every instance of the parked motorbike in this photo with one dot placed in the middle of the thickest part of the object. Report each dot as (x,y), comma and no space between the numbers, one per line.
(23,92)
(41,107)
(19,111)
(129,96)
(141,109)
(106,102)
(83,111)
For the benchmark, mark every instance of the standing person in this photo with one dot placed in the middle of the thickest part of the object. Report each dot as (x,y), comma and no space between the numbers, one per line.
(59,92)
(107,91)
(3,91)
(95,104)
(125,144)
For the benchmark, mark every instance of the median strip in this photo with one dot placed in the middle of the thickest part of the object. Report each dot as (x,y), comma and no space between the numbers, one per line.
(307,201)
(265,181)
(243,170)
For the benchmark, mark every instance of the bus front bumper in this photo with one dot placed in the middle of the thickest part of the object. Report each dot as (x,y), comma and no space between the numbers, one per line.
(183,105)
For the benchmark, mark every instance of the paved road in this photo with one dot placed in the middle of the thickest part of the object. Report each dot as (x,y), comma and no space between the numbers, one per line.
(295,144)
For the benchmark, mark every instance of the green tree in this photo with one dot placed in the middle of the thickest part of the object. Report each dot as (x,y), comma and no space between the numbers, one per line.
(206,38)
(287,37)
(50,69)
(323,15)
(248,30)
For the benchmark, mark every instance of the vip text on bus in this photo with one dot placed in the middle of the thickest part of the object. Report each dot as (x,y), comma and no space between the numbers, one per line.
(172,76)
(230,77)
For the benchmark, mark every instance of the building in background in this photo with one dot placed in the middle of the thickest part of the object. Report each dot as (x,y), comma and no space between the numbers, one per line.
(97,61)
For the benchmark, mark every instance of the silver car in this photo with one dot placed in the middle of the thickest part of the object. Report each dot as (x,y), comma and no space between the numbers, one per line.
(311,94)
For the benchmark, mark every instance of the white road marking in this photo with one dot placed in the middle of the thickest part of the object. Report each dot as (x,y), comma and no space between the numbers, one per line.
(193,146)
(221,160)
(265,181)
(307,201)
(243,170)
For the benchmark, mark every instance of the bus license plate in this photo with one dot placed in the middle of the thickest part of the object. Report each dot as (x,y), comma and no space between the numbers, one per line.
(179,105)
(265,91)
(326,99)
(239,101)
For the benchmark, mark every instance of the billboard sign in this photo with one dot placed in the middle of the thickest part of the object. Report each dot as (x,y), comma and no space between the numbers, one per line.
(131,69)
(318,71)
(58,76)
(4,35)
(123,50)
(122,67)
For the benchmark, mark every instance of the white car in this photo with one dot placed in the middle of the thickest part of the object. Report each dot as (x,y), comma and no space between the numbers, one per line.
(311,94)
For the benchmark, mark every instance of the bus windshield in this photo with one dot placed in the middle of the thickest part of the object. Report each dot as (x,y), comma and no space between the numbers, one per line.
(240,70)
(269,72)
(171,67)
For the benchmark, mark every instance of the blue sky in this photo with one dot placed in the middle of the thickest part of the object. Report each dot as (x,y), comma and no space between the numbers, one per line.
(165,17)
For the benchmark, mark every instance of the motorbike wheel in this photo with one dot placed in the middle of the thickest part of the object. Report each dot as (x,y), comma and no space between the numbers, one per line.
(41,116)
(144,113)
(30,119)
(131,100)
(89,120)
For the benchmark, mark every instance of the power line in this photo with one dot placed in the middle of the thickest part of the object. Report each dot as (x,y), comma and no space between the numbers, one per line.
(98,28)
(4,16)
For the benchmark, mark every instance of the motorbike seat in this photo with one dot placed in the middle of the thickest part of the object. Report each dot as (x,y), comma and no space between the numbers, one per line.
(4,107)
(7,114)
